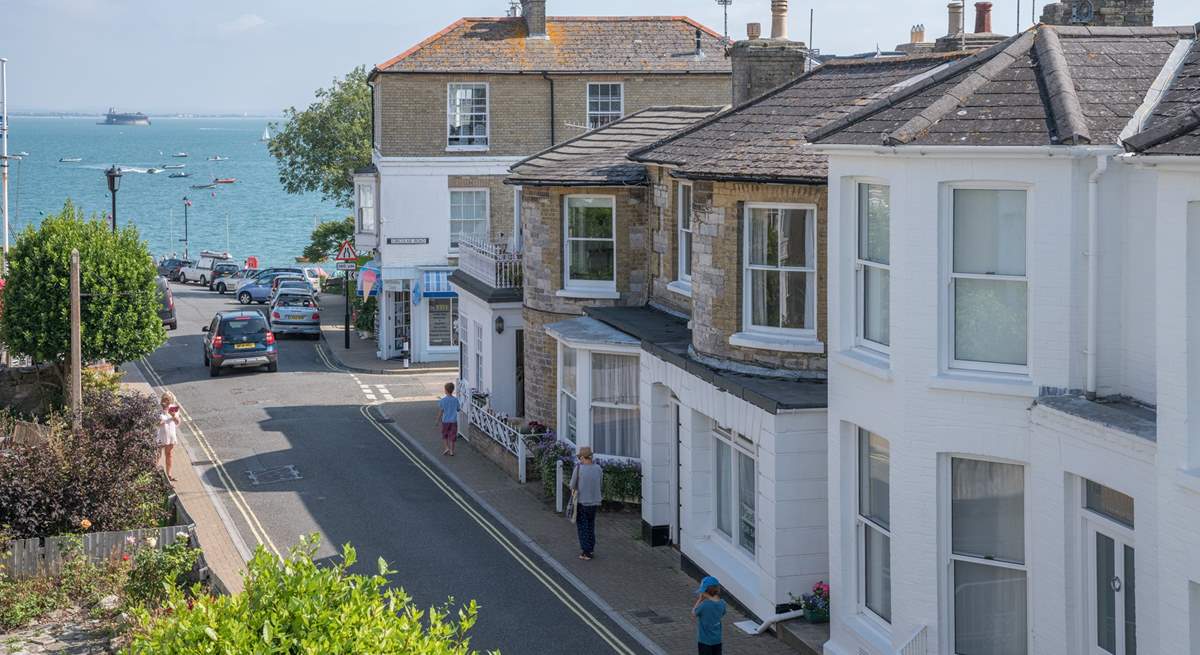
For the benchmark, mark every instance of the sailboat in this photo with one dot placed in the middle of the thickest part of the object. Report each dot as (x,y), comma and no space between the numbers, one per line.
(266,135)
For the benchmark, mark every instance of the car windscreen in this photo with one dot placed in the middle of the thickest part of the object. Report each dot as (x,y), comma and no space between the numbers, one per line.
(232,268)
(243,326)
(294,300)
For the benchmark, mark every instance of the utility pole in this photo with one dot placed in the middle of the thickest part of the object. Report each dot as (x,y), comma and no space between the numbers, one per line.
(347,328)
(4,155)
(76,382)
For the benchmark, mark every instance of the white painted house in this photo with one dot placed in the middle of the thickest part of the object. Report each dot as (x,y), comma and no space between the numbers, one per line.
(1014,254)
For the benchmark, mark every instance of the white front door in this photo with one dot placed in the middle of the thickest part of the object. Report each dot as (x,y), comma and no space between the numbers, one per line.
(1110,589)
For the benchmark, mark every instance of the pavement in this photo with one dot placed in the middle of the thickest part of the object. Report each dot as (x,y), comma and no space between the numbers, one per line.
(296,452)
(360,357)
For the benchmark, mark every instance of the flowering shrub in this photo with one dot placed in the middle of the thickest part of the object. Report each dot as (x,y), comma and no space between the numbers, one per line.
(156,571)
(622,480)
(105,474)
(816,604)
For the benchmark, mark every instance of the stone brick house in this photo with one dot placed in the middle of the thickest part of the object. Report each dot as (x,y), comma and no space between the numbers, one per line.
(719,298)
(454,112)
(1014,468)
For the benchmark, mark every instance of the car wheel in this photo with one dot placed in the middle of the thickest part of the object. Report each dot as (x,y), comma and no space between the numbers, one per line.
(244,298)
(214,371)
(206,358)
(221,288)
(203,281)
(182,278)
(272,367)
(173,325)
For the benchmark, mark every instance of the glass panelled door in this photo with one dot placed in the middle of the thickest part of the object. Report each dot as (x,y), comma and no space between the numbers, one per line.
(1111,584)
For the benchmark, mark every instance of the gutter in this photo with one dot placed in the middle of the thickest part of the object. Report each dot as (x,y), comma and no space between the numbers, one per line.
(546,76)
(1093,270)
(1075,152)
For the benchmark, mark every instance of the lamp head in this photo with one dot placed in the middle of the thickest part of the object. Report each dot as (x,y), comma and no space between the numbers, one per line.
(114,178)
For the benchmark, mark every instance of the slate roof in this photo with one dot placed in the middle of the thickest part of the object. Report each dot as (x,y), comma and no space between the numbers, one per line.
(1174,126)
(575,44)
(760,140)
(599,157)
(1051,85)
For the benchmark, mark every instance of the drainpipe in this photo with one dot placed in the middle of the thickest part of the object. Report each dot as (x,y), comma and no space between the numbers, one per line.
(1093,270)
(748,626)
(546,76)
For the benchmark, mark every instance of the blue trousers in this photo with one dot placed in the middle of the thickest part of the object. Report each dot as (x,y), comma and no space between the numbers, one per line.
(585,523)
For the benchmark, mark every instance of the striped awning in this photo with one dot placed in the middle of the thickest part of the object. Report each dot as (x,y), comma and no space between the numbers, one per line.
(436,284)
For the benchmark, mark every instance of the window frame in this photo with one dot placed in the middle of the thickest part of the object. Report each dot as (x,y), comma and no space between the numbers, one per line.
(487,118)
(738,443)
(946,546)
(680,258)
(860,272)
(951,362)
(587,285)
(864,523)
(362,223)
(583,395)
(747,277)
(487,212)
(589,114)
(455,324)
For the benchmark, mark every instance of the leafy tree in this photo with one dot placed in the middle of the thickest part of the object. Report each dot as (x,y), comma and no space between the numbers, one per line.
(295,606)
(327,237)
(318,147)
(119,303)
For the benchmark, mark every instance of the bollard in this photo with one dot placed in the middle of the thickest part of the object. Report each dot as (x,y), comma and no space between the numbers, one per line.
(558,499)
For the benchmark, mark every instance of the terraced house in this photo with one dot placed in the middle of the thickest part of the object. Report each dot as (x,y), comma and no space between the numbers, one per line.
(677,287)
(454,112)
(1014,456)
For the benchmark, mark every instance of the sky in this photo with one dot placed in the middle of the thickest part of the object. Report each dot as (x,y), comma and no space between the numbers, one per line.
(260,56)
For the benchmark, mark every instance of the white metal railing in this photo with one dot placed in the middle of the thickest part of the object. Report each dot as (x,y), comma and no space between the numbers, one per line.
(498,429)
(918,644)
(496,264)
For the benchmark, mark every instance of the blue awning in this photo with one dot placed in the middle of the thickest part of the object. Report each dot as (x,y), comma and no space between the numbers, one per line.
(436,284)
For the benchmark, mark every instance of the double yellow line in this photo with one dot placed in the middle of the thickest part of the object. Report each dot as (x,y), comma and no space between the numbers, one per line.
(235,494)
(528,564)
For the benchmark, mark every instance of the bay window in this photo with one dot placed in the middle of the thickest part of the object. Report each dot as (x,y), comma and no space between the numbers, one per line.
(989,316)
(780,277)
(685,233)
(567,390)
(366,208)
(605,104)
(467,116)
(874,524)
(590,243)
(873,266)
(987,558)
(468,215)
(735,487)
(605,385)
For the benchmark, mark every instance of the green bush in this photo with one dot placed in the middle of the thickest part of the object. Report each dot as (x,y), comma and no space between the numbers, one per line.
(294,606)
(156,572)
(365,314)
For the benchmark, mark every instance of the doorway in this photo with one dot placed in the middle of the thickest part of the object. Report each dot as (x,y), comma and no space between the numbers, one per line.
(401,321)
(1111,586)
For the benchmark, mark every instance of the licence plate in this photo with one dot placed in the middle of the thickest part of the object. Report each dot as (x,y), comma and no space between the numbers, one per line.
(243,346)
(295,317)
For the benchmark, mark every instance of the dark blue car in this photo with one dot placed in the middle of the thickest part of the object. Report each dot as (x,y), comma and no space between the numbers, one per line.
(239,339)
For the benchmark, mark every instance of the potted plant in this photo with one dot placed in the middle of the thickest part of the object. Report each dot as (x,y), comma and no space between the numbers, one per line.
(816,604)
(365,315)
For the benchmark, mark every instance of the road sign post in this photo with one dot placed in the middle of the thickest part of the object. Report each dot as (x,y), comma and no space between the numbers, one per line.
(347,260)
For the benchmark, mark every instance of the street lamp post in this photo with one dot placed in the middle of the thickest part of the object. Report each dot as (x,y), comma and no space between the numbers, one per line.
(186,203)
(114,184)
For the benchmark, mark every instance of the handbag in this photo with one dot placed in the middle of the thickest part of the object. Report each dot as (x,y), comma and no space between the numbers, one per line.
(573,506)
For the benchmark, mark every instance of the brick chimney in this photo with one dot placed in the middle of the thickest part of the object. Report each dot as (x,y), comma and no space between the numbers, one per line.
(983,18)
(1120,13)
(955,13)
(760,65)
(779,19)
(534,13)
(917,35)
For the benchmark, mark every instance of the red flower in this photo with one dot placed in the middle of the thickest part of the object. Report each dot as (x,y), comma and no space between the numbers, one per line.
(124,557)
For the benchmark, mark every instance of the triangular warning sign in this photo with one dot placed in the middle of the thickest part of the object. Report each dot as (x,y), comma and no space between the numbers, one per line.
(346,252)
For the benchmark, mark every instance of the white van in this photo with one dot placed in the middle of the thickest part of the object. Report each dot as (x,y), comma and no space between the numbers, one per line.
(201,271)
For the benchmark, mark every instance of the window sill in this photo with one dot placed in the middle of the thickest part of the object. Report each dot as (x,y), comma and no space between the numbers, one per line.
(681,287)
(1188,479)
(588,294)
(761,341)
(870,631)
(468,148)
(866,361)
(1001,384)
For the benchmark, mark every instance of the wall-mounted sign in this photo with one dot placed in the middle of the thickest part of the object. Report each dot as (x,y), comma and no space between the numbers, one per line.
(407,241)
(347,266)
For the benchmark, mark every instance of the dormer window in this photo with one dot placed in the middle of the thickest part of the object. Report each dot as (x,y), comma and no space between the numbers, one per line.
(467,116)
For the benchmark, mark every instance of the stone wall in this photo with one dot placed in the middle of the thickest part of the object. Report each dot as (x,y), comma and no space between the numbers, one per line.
(664,230)
(29,391)
(541,367)
(411,107)
(717,275)
(500,202)
(1120,13)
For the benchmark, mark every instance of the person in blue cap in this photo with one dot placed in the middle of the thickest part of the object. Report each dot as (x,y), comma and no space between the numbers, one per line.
(708,610)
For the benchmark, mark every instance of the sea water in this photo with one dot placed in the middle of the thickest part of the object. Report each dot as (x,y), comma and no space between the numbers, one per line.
(253,216)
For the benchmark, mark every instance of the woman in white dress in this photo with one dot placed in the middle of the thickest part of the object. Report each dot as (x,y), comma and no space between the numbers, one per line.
(168,420)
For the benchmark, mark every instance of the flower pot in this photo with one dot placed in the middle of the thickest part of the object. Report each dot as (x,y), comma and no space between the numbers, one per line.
(816,616)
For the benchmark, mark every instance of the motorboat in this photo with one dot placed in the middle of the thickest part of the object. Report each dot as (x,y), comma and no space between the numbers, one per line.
(170,166)
(152,171)
(217,158)
(22,154)
(70,160)
(180,154)
(204,186)
(224,180)
(180,174)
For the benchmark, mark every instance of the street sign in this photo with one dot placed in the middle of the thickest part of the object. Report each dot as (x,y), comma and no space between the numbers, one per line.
(407,241)
(347,266)
(346,252)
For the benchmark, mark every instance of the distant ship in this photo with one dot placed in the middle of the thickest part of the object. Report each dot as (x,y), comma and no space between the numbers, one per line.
(113,117)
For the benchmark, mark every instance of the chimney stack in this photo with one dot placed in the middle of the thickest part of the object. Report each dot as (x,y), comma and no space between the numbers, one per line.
(779,19)
(956,18)
(753,30)
(917,34)
(699,45)
(983,18)
(534,13)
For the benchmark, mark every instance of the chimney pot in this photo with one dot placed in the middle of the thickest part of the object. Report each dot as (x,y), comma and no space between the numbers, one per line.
(534,13)
(753,30)
(918,34)
(779,19)
(955,11)
(983,18)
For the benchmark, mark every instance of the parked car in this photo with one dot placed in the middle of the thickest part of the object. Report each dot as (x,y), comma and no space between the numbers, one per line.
(295,311)
(231,282)
(260,274)
(239,339)
(169,268)
(279,279)
(313,276)
(260,288)
(166,308)
(202,271)
(283,283)
(220,271)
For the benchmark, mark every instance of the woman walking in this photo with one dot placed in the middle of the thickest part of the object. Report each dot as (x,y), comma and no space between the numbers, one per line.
(586,480)
(168,419)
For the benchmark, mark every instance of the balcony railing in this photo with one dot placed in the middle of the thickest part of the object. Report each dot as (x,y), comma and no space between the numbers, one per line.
(495,264)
